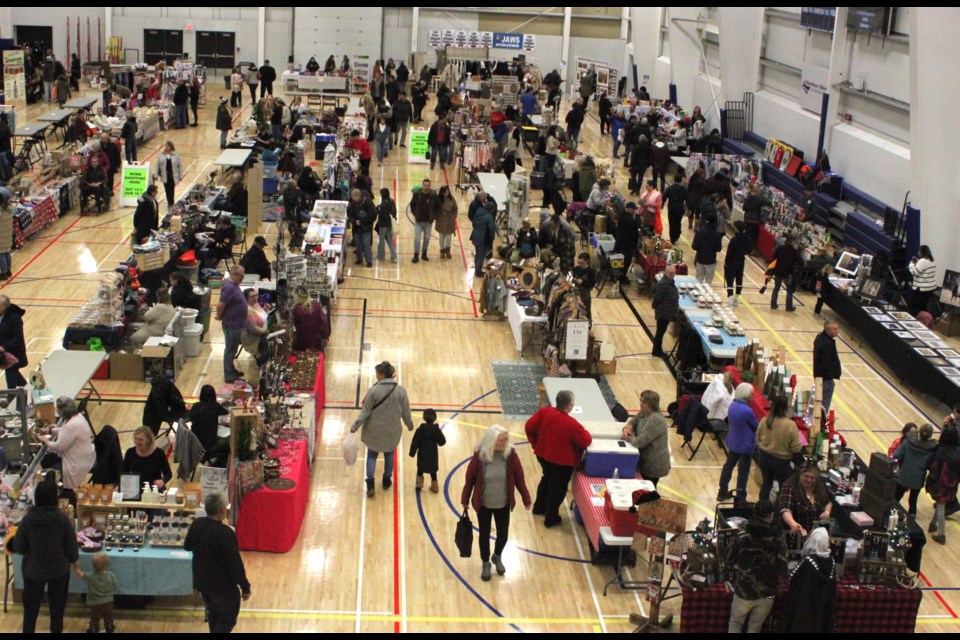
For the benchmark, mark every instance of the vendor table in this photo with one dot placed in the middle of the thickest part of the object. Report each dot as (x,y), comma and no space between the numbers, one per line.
(68,373)
(30,219)
(314,82)
(495,184)
(859,609)
(34,141)
(589,403)
(152,571)
(899,355)
(81,103)
(58,119)
(111,337)
(603,430)
(270,520)
(726,350)
(518,318)
(354,108)
(235,158)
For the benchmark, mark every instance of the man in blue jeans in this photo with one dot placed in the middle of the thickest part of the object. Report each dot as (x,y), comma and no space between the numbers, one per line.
(232,312)
(180,97)
(826,361)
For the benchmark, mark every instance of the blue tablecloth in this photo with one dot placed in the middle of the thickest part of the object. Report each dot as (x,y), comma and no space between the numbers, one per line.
(727,350)
(161,571)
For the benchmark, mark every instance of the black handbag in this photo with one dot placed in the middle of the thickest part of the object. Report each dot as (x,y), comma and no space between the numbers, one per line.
(464,535)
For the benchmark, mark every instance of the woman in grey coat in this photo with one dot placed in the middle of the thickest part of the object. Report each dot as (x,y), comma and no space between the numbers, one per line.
(384,406)
(914,455)
(647,431)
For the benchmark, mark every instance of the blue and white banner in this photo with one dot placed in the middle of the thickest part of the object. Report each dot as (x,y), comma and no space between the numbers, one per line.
(507,40)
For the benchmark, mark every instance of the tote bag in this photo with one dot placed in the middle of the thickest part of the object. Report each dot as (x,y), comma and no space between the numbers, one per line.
(464,535)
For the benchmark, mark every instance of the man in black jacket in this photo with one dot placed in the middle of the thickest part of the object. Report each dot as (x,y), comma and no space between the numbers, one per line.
(826,361)
(218,572)
(575,122)
(363,215)
(418,94)
(757,560)
(666,306)
(267,76)
(439,137)
(789,263)
(255,259)
(675,197)
(11,339)
(147,216)
(181,95)
(627,236)
(110,148)
(737,251)
(402,115)
(424,207)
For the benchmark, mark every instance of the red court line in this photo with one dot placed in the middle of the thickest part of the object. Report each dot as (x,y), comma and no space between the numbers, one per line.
(425,404)
(83,242)
(939,597)
(50,299)
(463,255)
(396,544)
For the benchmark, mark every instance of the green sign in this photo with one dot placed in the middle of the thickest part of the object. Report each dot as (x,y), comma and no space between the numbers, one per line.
(419,145)
(135,180)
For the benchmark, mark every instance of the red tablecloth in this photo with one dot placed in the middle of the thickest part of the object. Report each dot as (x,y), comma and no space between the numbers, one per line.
(585,488)
(859,609)
(652,266)
(270,520)
(766,243)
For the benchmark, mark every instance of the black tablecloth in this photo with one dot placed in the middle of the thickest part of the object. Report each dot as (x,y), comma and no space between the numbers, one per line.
(111,337)
(908,365)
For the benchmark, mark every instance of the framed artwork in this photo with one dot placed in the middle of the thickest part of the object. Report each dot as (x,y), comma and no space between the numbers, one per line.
(901,315)
(950,293)
(954,379)
(927,353)
(950,371)
(925,335)
(906,335)
(892,326)
(949,353)
(913,325)
(872,310)
(880,317)
(937,344)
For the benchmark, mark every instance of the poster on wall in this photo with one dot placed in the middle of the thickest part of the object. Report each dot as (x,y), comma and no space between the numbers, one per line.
(14,77)
(448,37)
(529,42)
(578,337)
(460,39)
(134,180)
(819,18)
(435,39)
(473,39)
(486,39)
(813,84)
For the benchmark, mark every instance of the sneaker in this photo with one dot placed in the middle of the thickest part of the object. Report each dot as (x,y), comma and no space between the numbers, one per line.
(538,511)
(485,572)
(940,539)
(369,264)
(93,629)
(393,260)
(774,307)
(498,564)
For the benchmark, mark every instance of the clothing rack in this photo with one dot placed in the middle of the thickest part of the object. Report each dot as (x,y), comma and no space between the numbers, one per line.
(476,156)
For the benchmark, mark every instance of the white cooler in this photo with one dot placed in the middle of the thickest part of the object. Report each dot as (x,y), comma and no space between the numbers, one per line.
(605,456)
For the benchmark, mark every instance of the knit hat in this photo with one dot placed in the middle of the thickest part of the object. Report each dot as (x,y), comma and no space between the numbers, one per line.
(46,494)
(260,240)
(631,205)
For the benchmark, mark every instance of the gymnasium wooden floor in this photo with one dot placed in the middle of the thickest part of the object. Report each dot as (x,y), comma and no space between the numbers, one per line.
(390,564)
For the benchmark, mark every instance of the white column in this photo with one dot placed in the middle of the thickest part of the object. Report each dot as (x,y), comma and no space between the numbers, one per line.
(565,49)
(934,136)
(107,26)
(6,21)
(415,31)
(645,43)
(262,37)
(839,62)
(741,35)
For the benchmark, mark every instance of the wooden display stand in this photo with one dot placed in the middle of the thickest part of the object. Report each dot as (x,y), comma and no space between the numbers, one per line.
(654,521)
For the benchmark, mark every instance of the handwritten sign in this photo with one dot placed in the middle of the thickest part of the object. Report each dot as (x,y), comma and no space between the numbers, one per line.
(134,181)
(661,515)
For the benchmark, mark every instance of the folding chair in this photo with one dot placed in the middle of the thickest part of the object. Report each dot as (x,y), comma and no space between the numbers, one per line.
(716,428)
(607,273)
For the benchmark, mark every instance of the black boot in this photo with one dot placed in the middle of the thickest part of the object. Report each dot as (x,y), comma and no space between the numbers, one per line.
(371,489)
(387,482)
(108,627)
(93,628)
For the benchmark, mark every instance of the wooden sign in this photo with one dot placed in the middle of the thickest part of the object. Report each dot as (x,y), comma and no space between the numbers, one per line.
(668,516)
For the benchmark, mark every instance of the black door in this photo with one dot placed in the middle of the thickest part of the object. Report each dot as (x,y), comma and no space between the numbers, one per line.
(162,44)
(33,35)
(215,49)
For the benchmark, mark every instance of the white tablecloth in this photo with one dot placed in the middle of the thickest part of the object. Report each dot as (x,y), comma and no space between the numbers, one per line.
(518,318)
(589,405)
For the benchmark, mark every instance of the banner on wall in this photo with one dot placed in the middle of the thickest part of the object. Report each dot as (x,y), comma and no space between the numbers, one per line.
(813,84)
(460,39)
(819,18)
(447,37)
(133,182)
(507,40)
(14,77)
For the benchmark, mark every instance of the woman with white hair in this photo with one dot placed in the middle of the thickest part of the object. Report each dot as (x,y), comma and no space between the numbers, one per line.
(741,442)
(493,476)
(74,443)
(811,604)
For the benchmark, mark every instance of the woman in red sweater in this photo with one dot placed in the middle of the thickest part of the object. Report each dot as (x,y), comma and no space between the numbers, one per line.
(362,148)
(493,476)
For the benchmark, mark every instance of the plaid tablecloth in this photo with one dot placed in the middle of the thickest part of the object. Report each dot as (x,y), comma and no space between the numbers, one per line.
(860,609)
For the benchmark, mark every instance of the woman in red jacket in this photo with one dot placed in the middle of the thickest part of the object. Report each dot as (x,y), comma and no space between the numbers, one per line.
(493,475)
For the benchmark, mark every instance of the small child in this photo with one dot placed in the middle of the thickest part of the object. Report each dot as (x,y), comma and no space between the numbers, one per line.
(100,587)
(424,446)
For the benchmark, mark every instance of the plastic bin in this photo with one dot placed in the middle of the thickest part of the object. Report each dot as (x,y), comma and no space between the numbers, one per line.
(191,339)
(189,316)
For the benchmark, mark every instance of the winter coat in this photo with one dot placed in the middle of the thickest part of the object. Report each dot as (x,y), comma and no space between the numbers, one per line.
(362,215)
(252,77)
(74,445)
(433,206)
(63,89)
(660,156)
(472,493)
(6,230)
(588,84)
(11,334)
(267,73)
(789,261)
(914,456)
(484,228)
(707,243)
(944,474)
(380,427)
(112,151)
(48,543)
(403,74)
(161,170)
(574,120)
(109,463)
(425,447)
(145,219)
(695,187)
(757,558)
(742,434)
(393,92)
(666,300)
(557,437)
(738,249)
(650,437)
(164,404)
(48,71)
(236,82)
(223,118)
(181,95)
(386,214)
(129,130)
(640,156)
(432,134)
(447,220)
(402,111)
(826,361)
(588,177)
(675,196)
(810,606)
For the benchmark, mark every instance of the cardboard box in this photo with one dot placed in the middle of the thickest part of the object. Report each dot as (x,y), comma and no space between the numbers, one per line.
(607,367)
(126,366)
(158,361)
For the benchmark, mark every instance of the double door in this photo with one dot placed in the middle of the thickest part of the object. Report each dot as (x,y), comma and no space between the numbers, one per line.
(216,49)
(162,44)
